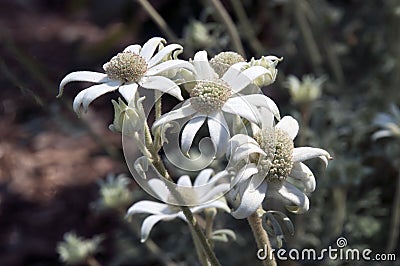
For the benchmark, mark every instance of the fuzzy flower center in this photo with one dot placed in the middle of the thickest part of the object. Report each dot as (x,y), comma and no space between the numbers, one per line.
(279,144)
(222,61)
(126,67)
(209,96)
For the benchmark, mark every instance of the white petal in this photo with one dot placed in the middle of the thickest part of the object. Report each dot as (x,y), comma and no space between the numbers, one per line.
(214,204)
(135,48)
(147,206)
(168,65)
(233,71)
(240,139)
(241,107)
(244,174)
(289,125)
(128,91)
(261,100)
(251,199)
(184,181)
(243,152)
(301,154)
(298,200)
(246,77)
(301,172)
(203,69)
(163,53)
(160,188)
(97,90)
(203,177)
(87,76)
(150,221)
(219,175)
(267,119)
(86,96)
(215,193)
(184,111)
(219,132)
(150,47)
(190,130)
(382,134)
(162,84)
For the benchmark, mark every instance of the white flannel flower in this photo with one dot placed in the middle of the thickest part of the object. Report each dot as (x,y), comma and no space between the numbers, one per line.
(135,66)
(306,90)
(212,96)
(211,197)
(277,168)
(390,123)
(269,62)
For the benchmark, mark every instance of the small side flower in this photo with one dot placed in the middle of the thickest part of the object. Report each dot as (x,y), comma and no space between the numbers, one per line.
(167,212)
(76,250)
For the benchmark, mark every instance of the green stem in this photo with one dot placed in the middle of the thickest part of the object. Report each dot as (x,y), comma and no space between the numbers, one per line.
(230,26)
(159,165)
(202,238)
(261,237)
(198,247)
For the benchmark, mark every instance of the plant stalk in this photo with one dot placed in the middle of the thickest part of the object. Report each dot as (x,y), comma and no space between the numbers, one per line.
(261,237)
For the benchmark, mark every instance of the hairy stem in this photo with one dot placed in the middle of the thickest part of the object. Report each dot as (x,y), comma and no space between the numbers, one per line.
(261,237)
(230,26)
(198,247)
(159,165)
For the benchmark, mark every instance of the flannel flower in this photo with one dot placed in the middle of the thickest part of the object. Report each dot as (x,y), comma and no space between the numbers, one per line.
(211,197)
(135,66)
(212,96)
(389,122)
(277,168)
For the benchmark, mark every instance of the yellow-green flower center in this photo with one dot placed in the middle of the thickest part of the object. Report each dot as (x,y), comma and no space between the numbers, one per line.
(209,96)
(222,61)
(126,67)
(279,144)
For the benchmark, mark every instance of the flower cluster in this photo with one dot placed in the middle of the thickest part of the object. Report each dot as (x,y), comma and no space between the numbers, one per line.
(220,98)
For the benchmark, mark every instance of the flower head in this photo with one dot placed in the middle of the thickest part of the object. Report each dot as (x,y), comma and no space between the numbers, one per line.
(268,62)
(276,168)
(134,66)
(213,96)
(306,90)
(114,192)
(166,212)
(75,250)
(222,61)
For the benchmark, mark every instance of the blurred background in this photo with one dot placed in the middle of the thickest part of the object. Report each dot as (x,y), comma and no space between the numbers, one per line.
(345,60)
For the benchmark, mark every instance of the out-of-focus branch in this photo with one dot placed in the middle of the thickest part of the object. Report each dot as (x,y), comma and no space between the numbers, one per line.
(247,28)
(158,20)
(230,26)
